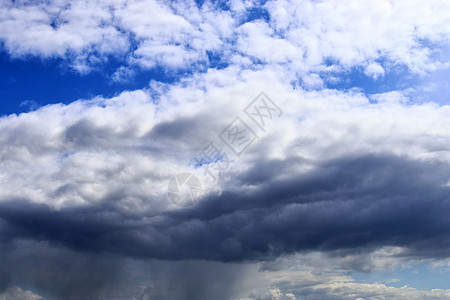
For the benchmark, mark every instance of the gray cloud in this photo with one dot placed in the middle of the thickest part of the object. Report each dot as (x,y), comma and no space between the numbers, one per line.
(348,203)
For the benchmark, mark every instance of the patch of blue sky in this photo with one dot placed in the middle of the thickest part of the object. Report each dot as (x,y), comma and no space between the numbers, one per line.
(434,87)
(216,60)
(420,88)
(199,162)
(420,275)
(431,86)
(395,78)
(26,84)
(257,13)
(219,4)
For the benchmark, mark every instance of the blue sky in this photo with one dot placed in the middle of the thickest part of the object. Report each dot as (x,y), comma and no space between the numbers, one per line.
(419,275)
(33,82)
(343,195)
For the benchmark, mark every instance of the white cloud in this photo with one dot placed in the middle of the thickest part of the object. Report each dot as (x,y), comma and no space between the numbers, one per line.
(315,276)
(301,35)
(255,39)
(122,75)
(374,70)
(16,293)
(399,97)
(54,154)
(89,31)
(81,26)
(351,33)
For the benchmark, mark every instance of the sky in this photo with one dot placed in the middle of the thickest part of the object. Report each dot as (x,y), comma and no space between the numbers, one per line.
(240,149)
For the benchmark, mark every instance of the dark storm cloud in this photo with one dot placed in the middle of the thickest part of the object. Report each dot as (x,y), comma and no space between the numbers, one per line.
(59,273)
(56,272)
(361,203)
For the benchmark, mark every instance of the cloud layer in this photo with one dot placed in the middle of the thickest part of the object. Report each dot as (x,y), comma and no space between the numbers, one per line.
(303,36)
(357,180)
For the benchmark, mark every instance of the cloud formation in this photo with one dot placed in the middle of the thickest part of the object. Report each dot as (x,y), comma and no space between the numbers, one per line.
(357,180)
(92,176)
(304,36)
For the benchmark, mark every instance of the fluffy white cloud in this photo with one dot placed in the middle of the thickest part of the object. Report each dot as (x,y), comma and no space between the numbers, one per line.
(79,28)
(87,32)
(301,35)
(355,32)
(73,154)
(374,70)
